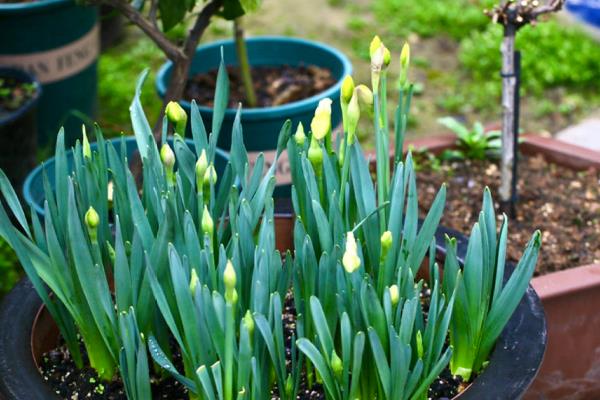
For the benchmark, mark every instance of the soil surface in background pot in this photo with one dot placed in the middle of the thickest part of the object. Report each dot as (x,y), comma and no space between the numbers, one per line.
(274,86)
(14,93)
(59,370)
(564,204)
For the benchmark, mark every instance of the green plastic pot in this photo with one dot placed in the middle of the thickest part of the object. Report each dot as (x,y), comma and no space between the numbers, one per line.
(58,42)
(261,125)
(33,188)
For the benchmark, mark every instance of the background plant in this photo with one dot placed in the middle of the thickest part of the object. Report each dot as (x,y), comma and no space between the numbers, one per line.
(472,143)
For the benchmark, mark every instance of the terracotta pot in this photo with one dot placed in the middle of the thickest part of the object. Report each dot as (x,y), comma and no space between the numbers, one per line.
(571,367)
(28,332)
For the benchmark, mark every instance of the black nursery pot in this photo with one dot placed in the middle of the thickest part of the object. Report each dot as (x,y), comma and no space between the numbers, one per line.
(27,331)
(18,132)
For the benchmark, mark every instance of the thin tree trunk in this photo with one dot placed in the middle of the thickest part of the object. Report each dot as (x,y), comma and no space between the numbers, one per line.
(508,118)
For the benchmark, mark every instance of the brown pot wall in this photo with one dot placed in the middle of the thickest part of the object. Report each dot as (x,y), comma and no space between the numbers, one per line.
(571,298)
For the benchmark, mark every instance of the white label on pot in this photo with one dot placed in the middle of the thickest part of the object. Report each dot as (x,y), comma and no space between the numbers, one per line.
(282,171)
(60,63)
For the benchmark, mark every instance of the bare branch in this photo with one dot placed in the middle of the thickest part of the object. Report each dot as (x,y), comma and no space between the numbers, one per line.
(153,12)
(152,31)
(202,21)
(522,12)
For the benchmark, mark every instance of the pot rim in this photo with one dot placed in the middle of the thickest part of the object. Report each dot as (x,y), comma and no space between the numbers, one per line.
(33,7)
(295,107)
(25,77)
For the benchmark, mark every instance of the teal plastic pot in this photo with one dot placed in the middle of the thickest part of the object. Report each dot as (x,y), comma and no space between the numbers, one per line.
(58,42)
(261,125)
(33,188)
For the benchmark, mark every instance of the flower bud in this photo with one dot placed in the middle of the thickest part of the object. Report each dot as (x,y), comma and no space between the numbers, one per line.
(336,365)
(321,122)
(300,136)
(207,222)
(248,321)
(353,117)
(387,56)
(86,149)
(167,156)
(419,344)
(315,155)
(375,44)
(177,116)
(376,66)
(386,242)
(404,64)
(110,192)
(347,89)
(350,260)
(92,219)
(229,279)
(365,96)
(210,176)
(394,294)
(194,281)
(201,167)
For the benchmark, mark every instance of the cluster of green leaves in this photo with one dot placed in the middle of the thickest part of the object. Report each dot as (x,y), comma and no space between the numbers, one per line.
(570,57)
(455,18)
(472,144)
(358,249)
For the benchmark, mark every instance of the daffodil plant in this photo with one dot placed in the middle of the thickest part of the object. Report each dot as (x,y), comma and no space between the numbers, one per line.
(359,246)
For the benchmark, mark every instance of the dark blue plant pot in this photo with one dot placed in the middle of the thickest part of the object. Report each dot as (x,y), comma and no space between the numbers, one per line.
(261,125)
(33,188)
(586,10)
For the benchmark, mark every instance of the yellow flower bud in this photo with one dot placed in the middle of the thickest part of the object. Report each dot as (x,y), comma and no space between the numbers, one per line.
(365,96)
(248,321)
(194,281)
(386,242)
(347,89)
(207,222)
(375,44)
(177,116)
(210,176)
(315,155)
(300,136)
(86,149)
(167,156)
(350,260)
(353,117)
(387,56)
(201,167)
(92,219)
(336,365)
(321,122)
(229,279)
(376,65)
(394,294)
(404,64)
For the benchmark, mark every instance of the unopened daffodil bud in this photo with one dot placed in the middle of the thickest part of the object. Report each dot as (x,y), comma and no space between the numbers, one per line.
(177,116)
(419,341)
(229,279)
(394,294)
(336,365)
(376,66)
(353,117)
(300,136)
(374,45)
(207,222)
(387,56)
(315,155)
(347,89)
(194,281)
(110,192)
(248,321)
(386,243)
(404,64)
(168,159)
(350,260)
(86,149)
(210,176)
(365,96)
(92,220)
(201,167)
(321,122)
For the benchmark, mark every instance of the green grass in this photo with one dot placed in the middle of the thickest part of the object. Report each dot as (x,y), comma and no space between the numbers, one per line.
(10,269)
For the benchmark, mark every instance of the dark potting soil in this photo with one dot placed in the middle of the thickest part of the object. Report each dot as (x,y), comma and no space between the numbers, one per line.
(274,86)
(14,93)
(562,203)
